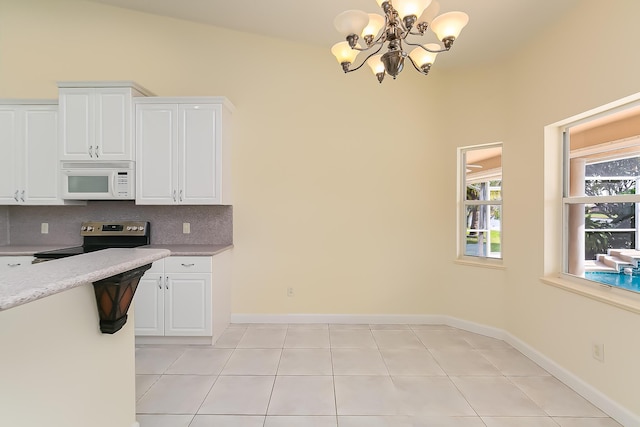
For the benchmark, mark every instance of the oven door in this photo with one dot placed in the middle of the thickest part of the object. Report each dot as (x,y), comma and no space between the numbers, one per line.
(100,182)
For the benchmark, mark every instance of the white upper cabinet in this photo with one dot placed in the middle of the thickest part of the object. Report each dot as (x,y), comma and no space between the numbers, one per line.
(96,120)
(183,151)
(29,153)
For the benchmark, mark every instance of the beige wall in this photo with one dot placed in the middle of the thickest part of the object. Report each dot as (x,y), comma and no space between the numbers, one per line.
(582,62)
(336,196)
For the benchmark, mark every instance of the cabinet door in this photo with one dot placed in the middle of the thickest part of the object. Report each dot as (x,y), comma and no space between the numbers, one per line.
(149,304)
(40,156)
(77,125)
(199,153)
(188,304)
(9,137)
(156,135)
(113,135)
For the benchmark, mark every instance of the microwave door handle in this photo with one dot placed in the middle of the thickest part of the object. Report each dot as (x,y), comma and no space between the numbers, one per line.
(114,181)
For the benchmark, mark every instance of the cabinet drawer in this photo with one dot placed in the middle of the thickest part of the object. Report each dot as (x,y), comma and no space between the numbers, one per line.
(187,264)
(8,263)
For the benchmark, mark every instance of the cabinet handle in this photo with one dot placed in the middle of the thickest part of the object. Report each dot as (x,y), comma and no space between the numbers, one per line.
(166,282)
(160,282)
(180,195)
(97,151)
(91,151)
(174,195)
(187,265)
(22,196)
(15,196)
(17,264)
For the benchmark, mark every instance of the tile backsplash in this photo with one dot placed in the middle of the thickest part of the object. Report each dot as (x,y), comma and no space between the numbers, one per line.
(210,225)
(4,225)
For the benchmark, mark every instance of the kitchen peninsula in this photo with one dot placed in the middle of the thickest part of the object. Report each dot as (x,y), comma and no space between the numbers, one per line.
(54,357)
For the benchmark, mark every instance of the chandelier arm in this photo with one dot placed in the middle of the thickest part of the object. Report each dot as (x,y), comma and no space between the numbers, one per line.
(383,32)
(364,49)
(415,66)
(444,49)
(365,60)
(417,34)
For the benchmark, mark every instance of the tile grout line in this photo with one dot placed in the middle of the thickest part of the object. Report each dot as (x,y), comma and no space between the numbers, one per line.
(475,346)
(275,377)
(333,376)
(215,381)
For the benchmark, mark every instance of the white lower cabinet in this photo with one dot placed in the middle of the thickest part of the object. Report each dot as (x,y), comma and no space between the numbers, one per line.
(173,298)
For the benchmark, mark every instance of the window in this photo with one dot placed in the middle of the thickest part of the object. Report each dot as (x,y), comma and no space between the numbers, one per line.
(480,215)
(601,200)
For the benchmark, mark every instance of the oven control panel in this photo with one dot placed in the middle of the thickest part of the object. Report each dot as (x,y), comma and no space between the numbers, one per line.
(114,228)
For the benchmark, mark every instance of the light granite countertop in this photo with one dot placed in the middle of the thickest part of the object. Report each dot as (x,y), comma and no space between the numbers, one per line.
(36,281)
(175,249)
(193,250)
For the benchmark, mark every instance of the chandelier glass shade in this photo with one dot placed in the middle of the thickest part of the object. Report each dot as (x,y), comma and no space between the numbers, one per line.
(403,21)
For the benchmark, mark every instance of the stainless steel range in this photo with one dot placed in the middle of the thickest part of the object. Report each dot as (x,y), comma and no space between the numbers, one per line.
(99,235)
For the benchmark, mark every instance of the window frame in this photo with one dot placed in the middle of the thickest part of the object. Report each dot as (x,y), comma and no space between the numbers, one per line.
(463,203)
(554,215)
(568,200)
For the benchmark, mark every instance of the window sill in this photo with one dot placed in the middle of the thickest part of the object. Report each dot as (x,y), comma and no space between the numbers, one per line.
(625,300)
(481,262)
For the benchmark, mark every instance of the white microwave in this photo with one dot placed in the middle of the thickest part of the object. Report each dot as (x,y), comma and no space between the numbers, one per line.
(98,180)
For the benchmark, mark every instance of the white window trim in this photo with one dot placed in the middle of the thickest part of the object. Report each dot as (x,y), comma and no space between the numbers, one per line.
(461,226)
(554,230)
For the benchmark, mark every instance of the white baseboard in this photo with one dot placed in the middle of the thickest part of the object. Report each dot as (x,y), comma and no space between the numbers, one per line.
(593,395)
(136,424)
(351,319)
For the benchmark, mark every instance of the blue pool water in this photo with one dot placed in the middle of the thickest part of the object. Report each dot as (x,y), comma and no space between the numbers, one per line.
(625,281)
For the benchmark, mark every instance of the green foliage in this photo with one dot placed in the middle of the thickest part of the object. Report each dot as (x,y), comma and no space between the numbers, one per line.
(608,216)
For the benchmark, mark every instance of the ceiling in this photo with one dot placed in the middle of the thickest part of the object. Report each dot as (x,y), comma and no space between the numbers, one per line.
(496,27)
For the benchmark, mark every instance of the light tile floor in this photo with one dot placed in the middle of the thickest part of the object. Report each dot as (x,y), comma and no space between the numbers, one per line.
(352,376)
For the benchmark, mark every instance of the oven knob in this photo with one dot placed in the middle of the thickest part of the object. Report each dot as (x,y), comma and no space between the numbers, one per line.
(84,228)
(129,228)
(89,228)
(140,228)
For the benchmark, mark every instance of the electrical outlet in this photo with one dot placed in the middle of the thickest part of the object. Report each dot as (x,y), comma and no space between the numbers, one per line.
(597,351)
(44,228)
(186,227)
(290,292)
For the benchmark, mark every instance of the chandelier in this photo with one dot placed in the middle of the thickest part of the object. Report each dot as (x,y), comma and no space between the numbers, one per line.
(402,18)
